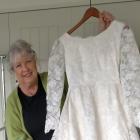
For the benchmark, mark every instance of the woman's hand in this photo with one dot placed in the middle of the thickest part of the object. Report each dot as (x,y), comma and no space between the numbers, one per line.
(105,19)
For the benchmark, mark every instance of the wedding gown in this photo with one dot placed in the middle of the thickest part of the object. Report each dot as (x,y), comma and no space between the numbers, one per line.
(103,99)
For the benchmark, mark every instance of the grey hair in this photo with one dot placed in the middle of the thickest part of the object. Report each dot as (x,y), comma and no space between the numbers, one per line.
(18,47)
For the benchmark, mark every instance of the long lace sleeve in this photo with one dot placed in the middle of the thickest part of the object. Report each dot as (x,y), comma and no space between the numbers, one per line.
(130,73)
(55,86)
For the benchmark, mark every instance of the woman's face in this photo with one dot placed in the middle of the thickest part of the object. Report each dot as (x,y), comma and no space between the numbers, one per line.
(25,69)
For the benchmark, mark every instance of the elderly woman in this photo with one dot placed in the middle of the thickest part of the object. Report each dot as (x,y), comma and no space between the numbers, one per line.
(26,105)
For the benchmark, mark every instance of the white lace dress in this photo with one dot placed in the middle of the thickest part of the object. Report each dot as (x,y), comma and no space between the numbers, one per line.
(103,99)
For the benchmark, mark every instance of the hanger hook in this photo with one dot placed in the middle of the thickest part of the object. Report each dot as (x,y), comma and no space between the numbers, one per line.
(90,3)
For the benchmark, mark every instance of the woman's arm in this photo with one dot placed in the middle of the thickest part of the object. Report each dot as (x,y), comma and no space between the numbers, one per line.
(14,128)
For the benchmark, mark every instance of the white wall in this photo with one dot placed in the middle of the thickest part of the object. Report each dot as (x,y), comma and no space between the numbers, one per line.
(19,5)
(4,33)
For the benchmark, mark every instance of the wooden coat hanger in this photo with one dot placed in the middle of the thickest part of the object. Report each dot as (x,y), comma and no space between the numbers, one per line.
(90,12)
